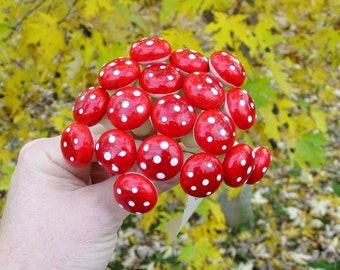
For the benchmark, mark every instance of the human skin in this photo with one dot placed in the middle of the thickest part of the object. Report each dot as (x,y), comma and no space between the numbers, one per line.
(58,216)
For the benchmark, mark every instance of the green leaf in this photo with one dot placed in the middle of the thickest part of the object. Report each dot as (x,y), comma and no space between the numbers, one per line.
(311,149)
(260,90)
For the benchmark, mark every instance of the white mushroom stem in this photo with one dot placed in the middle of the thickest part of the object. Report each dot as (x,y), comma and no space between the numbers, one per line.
(144,130)
(106,123)
(189,141)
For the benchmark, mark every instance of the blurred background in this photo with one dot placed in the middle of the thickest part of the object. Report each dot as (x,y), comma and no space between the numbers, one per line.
(50,51)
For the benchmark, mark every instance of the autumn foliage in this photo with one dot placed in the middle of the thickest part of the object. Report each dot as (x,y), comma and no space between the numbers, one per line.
(50,51)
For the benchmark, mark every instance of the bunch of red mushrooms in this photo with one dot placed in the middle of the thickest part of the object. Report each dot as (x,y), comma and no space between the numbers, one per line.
(168,114)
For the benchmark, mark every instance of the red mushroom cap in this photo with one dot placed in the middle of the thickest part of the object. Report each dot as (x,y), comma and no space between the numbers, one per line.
(129,108)
(150,50)
(173,115)
(135,193)
(90,106)
(116,151)
(160,79)
(77,144)
(240,106)
(159,157)
(118,73)
(227,68)
(201,175)
(263,159)
(238,165)
(189,61)
(214,131)
(203,90)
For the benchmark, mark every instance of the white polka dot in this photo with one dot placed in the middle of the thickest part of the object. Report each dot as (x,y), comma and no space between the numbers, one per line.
(264,169)
(174,162)
(252,105)
(160,175)
(149,43)
(199,86)
(128,62)
(119,93)
(122,153)
(232,67)
(190,174)
(253,154)
(150,75)
(65,144)
(101,74)
(223,132)
(116,72)
(184,123)
(242,102)
(219,177)
(164,119)
(214,91)
(107,155)
(97,146)
(146,204)
(137,93)
(82,97)
(190,108)
(112,64)
(131,203)
(80,111)
(111,110)
(164,145)
(119,191)
(125,104)
(208,80)
(124,118)
(75,141)
(114,168)
(193,188)
(162,67)
(192,56)
(71,159)
(146,147)
(224,53)
(224,147)
(250,118)
(211,120)
(177,108)
(209,165)
(170,78)
(143,165)
(239,179)
(243,162)
(208,193)
(134,190)
(205,182)
(93,96)
(209,139)
(250,168)
(161,101)
(157,159)
(112,139)
(140,109)
(243,73)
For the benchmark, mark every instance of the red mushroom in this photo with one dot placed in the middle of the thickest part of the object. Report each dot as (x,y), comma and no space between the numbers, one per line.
(150,50)
(159,157)
(238,165)
(116,151)
(77,144)
(173,115)
(90,106)
(263,159)
(203,90)
(189,61)
(160,79)
(135,193)
(129,108)
(118,73)
(227,68)
(201,175)
(240,106)
(214,131)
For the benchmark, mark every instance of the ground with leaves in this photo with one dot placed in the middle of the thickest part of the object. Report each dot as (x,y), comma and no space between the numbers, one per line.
(51,51)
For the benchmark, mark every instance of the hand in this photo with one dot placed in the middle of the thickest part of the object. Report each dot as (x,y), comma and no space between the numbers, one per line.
(57,216)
